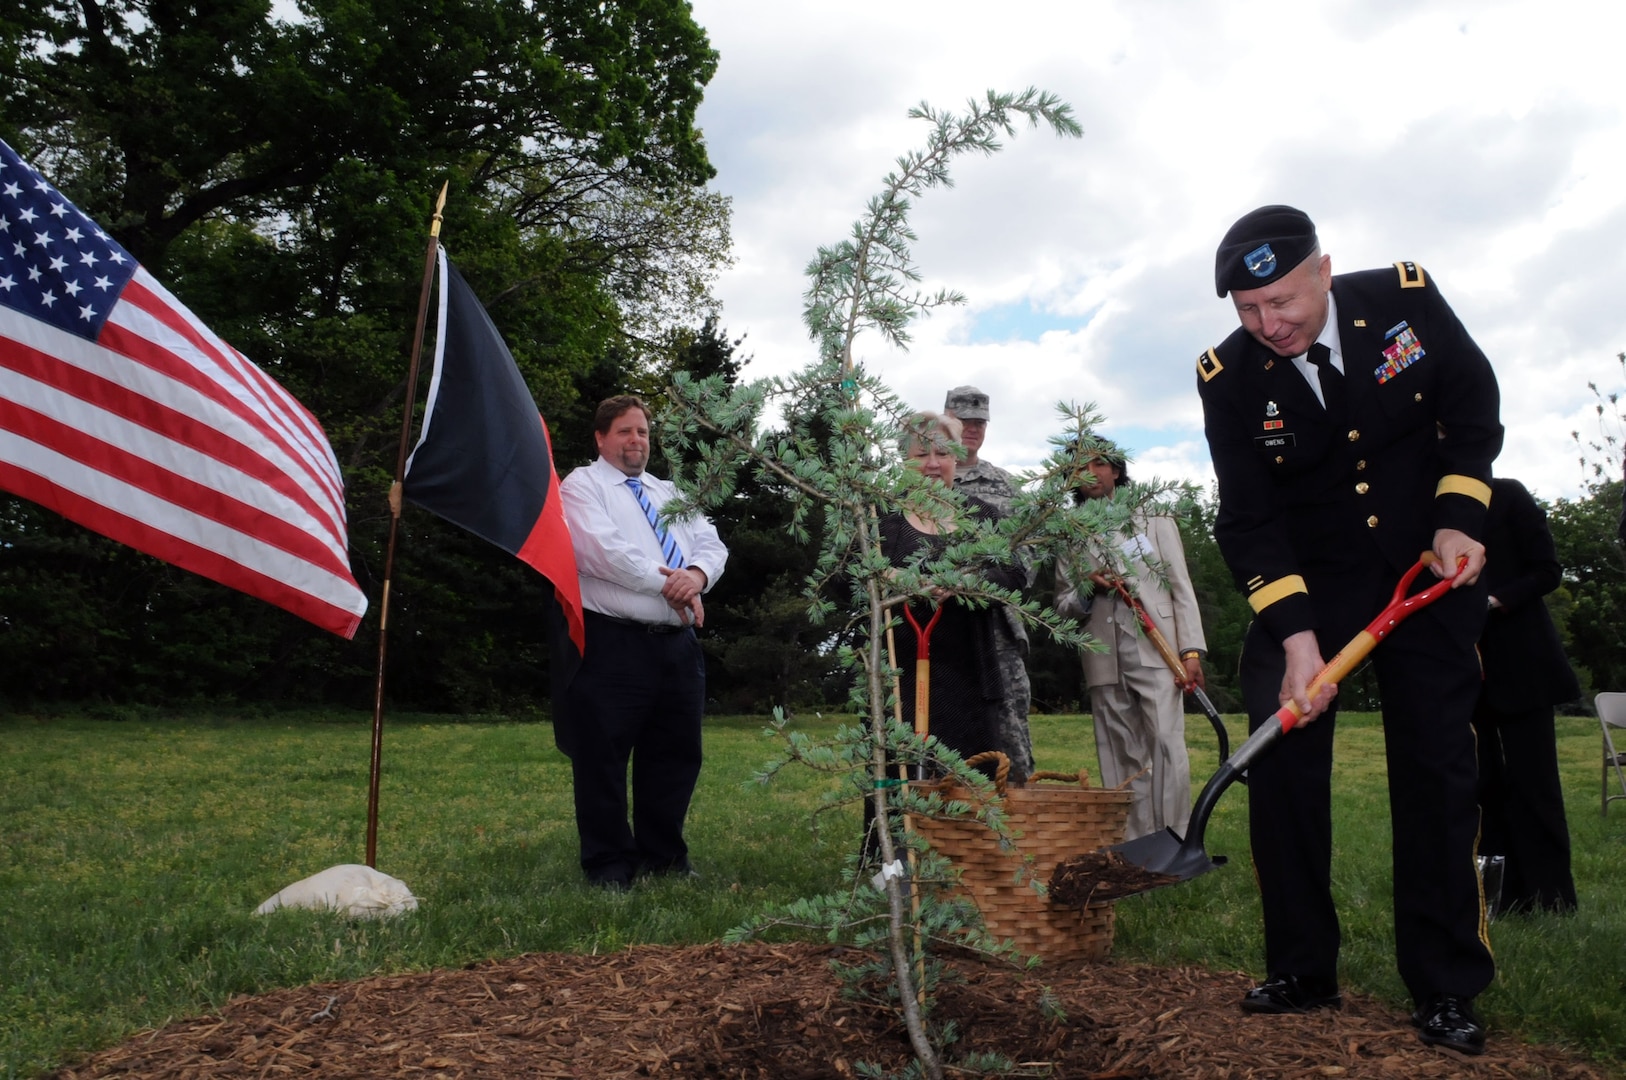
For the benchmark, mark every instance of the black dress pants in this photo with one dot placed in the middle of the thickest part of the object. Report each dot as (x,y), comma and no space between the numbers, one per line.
(1428,680)
(637,699)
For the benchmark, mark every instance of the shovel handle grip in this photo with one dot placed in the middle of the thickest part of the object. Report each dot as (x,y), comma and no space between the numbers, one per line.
(1350,656)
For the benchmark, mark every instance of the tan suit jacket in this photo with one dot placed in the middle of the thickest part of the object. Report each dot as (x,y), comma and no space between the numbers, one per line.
(1172,604)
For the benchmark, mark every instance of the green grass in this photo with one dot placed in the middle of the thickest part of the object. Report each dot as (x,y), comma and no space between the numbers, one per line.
(134,853)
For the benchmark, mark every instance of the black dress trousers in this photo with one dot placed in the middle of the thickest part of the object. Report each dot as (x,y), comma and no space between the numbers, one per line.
(637,699)
(1428,677)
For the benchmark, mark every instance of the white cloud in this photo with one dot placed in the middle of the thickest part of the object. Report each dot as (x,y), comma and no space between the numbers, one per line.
(1485,140)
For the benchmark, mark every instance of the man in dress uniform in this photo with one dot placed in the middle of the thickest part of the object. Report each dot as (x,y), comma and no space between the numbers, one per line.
(994,486)
(1352,423)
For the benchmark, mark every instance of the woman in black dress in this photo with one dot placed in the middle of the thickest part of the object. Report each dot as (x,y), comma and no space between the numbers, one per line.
(965,678)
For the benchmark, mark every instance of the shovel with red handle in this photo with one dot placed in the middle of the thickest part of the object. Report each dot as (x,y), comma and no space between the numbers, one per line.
(1175,665)
(923,674)
(1166,854)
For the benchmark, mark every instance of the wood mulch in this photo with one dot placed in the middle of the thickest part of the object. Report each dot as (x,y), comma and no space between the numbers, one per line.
(777,1011)
(1101,876)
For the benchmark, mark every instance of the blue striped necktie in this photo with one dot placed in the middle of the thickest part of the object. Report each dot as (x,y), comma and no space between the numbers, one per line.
(669,547)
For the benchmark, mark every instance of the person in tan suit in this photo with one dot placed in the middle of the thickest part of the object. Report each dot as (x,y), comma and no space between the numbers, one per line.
(1140,723)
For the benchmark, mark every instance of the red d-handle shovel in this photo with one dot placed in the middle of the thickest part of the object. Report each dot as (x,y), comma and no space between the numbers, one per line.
(923,675)
(1168,856)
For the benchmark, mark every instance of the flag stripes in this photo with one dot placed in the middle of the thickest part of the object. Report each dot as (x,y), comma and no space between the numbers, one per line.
(157,332)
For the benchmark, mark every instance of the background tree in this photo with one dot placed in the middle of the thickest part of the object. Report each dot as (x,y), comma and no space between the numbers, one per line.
(277,176)
(1588,607)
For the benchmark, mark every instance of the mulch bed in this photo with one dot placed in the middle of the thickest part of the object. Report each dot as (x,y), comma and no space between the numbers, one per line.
(776,1011)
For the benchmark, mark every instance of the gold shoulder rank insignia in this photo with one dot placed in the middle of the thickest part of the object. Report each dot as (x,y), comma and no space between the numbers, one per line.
(1208,365)
(1411,275)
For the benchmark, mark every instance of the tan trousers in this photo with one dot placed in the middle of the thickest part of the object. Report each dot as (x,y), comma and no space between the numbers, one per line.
(1140,731)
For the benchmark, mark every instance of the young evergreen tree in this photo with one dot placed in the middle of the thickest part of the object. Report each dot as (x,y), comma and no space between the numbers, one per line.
(826,436)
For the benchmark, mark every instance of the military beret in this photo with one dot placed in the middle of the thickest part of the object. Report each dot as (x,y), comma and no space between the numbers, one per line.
(1263,245)
(966,403)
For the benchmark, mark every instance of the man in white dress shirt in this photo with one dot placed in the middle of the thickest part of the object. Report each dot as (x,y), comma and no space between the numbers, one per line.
(641,688)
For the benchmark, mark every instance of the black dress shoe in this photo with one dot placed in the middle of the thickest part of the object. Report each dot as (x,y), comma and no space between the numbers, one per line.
(611,878)
(1448,1020)
(679,869)
(1290,994)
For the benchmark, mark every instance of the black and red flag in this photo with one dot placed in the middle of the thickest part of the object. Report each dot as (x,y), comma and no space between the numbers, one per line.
(484,460)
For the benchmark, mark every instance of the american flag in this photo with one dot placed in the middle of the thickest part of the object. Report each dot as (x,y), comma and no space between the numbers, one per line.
(121,411)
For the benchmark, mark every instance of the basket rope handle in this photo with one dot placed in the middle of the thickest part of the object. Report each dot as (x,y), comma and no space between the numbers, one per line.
(1002,767)
(1002,771)
(1081,777)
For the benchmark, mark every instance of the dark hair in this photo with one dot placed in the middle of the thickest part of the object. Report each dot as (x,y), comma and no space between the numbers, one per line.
(1109,452)
(612,407)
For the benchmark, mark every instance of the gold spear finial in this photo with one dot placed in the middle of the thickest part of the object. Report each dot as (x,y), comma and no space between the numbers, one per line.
(440,204)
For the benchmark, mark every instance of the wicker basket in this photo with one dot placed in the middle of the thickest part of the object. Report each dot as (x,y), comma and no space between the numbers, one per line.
(1050,822)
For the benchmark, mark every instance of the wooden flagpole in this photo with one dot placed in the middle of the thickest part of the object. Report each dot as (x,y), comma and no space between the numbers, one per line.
(395,523)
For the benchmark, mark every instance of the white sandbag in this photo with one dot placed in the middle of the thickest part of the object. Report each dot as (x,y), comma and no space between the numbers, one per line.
(351,888)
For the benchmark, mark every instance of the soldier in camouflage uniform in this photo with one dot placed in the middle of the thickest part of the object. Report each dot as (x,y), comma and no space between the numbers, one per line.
(993,485)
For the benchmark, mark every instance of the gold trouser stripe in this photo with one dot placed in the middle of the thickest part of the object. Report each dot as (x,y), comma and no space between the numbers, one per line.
(1279,589)
(1477,490)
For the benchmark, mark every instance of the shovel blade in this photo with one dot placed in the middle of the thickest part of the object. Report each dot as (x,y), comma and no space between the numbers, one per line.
(1166,854)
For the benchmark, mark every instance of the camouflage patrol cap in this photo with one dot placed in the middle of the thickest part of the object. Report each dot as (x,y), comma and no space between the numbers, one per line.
(966,403)
(1261,247)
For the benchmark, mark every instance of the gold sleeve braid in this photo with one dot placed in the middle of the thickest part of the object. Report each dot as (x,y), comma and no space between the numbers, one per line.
(1454,484)
(1265,595)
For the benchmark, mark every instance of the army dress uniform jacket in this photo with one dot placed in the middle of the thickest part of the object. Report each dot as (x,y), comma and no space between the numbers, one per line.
(1305,493)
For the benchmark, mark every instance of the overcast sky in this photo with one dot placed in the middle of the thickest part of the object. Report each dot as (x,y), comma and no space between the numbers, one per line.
(1484,140)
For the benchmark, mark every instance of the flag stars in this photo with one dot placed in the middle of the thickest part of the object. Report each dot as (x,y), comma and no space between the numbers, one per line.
(58,210)
(58,263)
(8,283)
(41,185)
(73,288)
(75,235)
(34,273)
(26,215)
(48,299)
(87,313)
(88,258)
(12,191)
(42,238)
(103,284)
(17,248)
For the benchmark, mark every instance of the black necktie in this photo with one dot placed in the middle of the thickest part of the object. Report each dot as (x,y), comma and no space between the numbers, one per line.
(1332,382)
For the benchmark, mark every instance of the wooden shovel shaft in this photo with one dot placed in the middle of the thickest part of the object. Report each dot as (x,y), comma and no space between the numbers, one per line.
(1175,665)
(923,699)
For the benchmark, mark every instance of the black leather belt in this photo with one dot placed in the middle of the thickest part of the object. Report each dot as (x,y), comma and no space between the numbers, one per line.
(634,624)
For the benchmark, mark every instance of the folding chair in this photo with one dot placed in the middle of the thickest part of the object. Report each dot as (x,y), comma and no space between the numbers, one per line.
(1612,714)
